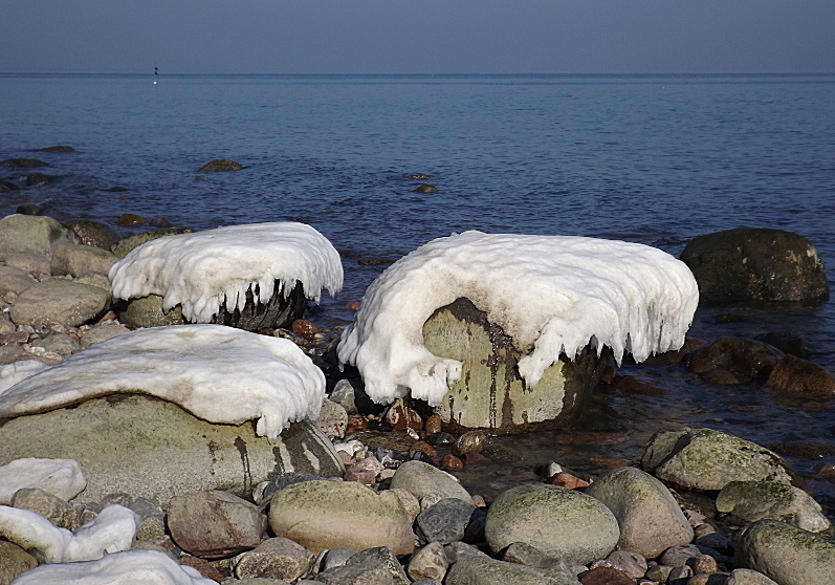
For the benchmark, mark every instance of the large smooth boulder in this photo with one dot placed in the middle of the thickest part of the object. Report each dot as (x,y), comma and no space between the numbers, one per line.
(490,394)
(59,302)
(562,523)
(705,459)
(152,448)
(321,515)
(79,259)
(27,241)
(94,233)
(757,500)
(786,554)
(649,517)
(756,264)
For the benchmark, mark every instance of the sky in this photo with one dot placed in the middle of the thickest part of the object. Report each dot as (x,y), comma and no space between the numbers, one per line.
(418,36)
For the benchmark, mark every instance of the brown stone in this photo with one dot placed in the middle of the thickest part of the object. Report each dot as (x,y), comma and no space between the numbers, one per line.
(452,463)
(204,567)
(604,575)
(423,447)
(795,375)
(130,219)
(304,328)
(568,481)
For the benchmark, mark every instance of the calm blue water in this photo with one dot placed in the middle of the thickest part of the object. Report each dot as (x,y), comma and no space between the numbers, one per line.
(654,159)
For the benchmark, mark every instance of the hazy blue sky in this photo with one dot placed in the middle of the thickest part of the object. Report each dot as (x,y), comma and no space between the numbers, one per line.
(417,36)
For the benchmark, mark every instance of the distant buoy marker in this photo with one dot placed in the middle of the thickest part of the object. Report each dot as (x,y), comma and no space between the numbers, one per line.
(156,73)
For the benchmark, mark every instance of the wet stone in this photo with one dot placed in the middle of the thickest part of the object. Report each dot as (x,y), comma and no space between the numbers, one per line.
(444,522)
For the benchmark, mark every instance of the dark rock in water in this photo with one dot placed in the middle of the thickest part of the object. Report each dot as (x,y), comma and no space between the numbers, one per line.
(37,179)
(7,186)
(56,149)
(23,163)
(795,375)
(222,165)
(117,189)
(734,360)
(131,219)
(490,394)
(425,188)
(418,177)
(29,209)
(755,264)
(787,342)
(94,233)
(161,221)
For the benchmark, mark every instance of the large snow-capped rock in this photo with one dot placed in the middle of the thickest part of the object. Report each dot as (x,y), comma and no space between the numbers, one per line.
(219,374)
(220,270)
(551,294)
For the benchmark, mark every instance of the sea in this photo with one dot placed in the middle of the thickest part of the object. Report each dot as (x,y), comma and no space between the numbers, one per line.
(656,159)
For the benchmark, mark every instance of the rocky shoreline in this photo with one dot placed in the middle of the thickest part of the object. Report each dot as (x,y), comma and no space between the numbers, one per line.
(702,508)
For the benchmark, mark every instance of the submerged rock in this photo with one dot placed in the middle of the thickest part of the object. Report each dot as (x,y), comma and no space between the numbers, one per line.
(222,165)
(491,394)
(705,459)
(23,163)
(733,360)
(756,264)
(798,376)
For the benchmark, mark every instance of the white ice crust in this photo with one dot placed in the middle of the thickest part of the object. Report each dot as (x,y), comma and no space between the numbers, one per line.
(203,271)
(59,477)
(113,530)
(550,294)
(133,567)
(218,373)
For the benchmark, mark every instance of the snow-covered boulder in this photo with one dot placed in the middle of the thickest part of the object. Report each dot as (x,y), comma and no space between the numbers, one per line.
(217,373)
(248,276)
(551,295)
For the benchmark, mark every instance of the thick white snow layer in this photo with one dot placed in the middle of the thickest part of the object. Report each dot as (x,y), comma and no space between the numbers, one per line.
(218,373)
(60,477)
(113,530)
(550,294)
(203,271)
(133,567)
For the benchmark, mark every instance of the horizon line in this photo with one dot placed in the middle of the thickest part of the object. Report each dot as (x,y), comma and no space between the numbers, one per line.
(439,74)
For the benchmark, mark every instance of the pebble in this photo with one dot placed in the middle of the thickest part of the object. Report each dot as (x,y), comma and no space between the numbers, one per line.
(451,463)
(470,442)
(568,481)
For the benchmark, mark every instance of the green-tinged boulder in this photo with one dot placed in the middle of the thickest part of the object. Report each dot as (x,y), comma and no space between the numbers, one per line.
(490,394)
(559,522)
(79,259)
(59,302)
(758,500)
(123,247)
(486,571)
(321,515)
(94,233)
(27,241)
(649,517)
(705,459)
(756,264)
(152,448)
(147,312)
(786,554)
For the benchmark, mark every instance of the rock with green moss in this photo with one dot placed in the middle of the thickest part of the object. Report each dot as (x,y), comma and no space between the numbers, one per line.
(757,500)
(649,517)
(420,479)
(756,264)
(322,515)
(485,571)
(786,554)
(705,459)
(562,523)
(490,394)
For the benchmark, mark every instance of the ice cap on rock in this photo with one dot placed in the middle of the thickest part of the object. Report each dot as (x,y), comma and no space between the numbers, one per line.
(550,294)
(218,373)
(202,271)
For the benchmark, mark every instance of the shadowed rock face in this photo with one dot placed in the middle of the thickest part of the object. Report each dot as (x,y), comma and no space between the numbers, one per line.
(491,395)
(756,264)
